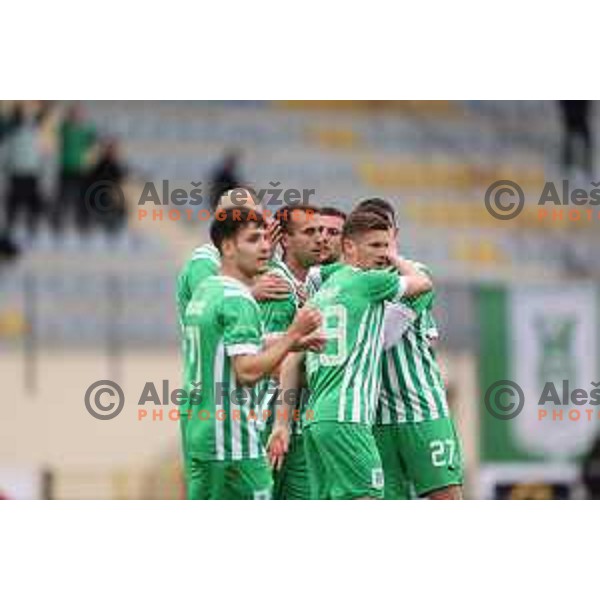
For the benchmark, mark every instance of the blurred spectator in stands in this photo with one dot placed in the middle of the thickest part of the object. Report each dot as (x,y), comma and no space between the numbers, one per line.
(590,471)
(104,203)
(77,137)
(575,116)
(225,177)
(25,162)
(8,248)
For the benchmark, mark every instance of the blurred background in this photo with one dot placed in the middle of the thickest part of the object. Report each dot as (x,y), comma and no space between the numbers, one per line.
(87,282)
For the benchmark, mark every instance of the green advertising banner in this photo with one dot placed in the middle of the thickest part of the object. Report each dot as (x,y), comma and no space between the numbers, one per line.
(538,366)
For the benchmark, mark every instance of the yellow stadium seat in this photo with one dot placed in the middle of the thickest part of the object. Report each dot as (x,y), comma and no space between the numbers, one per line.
(334,138)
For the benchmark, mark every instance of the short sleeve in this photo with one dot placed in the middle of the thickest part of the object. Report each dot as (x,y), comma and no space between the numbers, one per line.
(423,302)
(192,275)
(383,284)
(242,325)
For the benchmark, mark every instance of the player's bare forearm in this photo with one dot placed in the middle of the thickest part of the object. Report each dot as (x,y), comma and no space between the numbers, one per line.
(290,384)
(250,368)
(417,285)
(289,387)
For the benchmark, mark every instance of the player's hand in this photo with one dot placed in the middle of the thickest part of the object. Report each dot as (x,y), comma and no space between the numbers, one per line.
(278,445)
(315,342)
(392,258)
(306,321)
(406,267)
(274,234)
(270,287)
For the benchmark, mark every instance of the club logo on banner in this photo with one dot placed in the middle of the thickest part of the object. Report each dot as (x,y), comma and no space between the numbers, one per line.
(553,339)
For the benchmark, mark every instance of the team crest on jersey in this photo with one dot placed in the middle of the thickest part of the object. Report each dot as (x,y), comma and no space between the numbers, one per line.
(377,479)
(195,307)
(262,495)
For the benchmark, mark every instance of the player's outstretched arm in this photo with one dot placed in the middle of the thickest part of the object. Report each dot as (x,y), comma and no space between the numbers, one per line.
(290,386)
(301,334)
(416,282)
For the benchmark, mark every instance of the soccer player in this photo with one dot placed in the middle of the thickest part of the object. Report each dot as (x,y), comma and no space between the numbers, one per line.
(205,262)
(417,440)
(331,224)
(301,244)
(224,361)
(342,457)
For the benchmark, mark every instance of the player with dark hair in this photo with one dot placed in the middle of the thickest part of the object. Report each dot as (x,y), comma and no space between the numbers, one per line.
(206,261)
(343,379)
(301,243)
(301,238)
(331,224)
(418,443)
(225,360)
(378,205)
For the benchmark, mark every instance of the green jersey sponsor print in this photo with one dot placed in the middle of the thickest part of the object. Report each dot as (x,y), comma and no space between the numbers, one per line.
(412,386)
(344,378)
(222,320)
(205,261)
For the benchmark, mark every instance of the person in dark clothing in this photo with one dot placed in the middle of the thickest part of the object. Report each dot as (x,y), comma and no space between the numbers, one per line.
(103,200)
(224,178)
(575,115)
(77,137)
(8,248)
(25,163)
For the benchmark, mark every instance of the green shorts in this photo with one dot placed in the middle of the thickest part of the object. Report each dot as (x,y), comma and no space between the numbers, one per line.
(184,455)
(343,461)
(291,482)
(419,458)
(246,479)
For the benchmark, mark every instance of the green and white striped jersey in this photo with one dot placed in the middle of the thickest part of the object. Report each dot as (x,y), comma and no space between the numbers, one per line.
(204,262)
(222,320)
(277,316)
(314,279)
(344,378)
(412,387)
